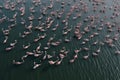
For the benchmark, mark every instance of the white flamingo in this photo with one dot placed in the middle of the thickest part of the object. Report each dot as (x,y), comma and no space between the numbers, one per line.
(36,65)
(9,48)
(18,62)
(59,62)
(72,60)
(27,46)
(51,62)
(38,47)
(5,40)
(86,56)
(13,44)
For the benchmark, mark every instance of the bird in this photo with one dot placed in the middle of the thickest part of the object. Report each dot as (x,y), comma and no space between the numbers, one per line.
(27,46)
(9,48)
(18,62)
(59,62)
(36,65)
(5,40)
(86,56)
(14,43)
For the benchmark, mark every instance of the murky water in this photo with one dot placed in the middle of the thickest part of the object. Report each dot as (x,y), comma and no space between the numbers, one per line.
(106,66)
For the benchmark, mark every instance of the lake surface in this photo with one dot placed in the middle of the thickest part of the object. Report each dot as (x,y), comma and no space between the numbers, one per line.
(106,66)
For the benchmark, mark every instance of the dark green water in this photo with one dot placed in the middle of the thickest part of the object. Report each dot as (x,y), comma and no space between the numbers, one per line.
(106,66)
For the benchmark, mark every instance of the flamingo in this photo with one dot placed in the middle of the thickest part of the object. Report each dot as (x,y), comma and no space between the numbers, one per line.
(83,43)
(66,52)
(79,36)
(38,48)
(67,40)
(94,54)
(37,54)
(77,51)
(75,56)
(36,65)
(22,35)
(18,62)
(51,62)
(95,42)
(91,36)
(117,52)
(100,28)
(59,62)
(96,33)
(61,56)
(40,17)
(46,48)
(86,40)
(72,60)
(9,48)
(51,38)
(13,44)
(62,50)
(51,6)
(56,43)
(27,32)
(98,50)
(49,56)
(5,40)
(86,49)
(29,27)
(37,39)
(86,29)
(86,57)
(55,28)
(27,46)
(45,56)
(30,53)
(65,32)
(15,15)
(101,43)
(43,36)
(6,32)
(23,57)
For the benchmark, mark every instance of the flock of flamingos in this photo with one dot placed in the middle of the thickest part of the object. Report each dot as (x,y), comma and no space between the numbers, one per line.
(51,20)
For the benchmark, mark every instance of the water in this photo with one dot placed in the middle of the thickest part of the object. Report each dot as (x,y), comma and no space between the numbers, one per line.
(106,66)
